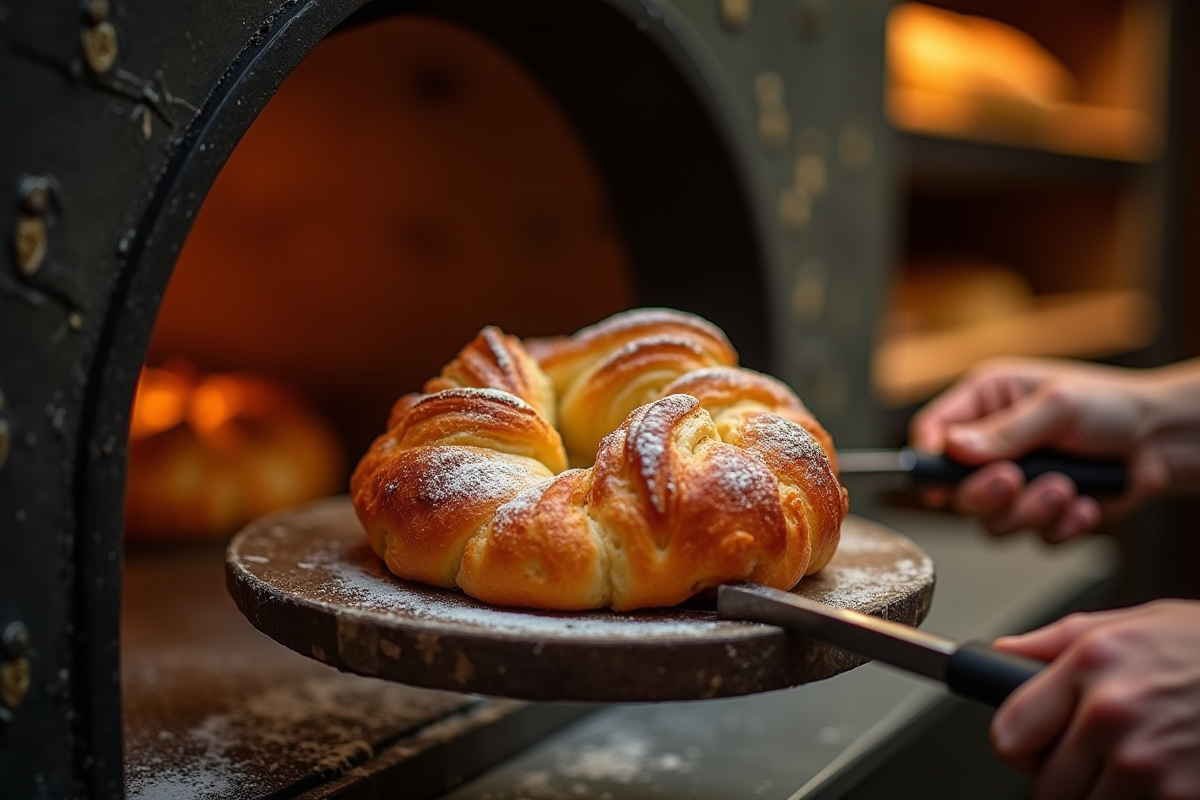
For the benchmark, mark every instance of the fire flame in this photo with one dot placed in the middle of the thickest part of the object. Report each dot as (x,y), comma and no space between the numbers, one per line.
(176,393)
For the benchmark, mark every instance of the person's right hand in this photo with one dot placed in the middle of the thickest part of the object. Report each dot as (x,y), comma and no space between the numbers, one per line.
(1006,408)
(1116,713)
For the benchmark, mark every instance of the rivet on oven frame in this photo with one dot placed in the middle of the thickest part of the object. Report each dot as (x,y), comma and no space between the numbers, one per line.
(99,37)
(96,11)
(735,14)
(15,640)
(809,290)
(795,209)
(29,243)
(809,174)
(14,667)
(768,89)
(774,124)
(856,147)
(774,127)
(34,193)
(30,235)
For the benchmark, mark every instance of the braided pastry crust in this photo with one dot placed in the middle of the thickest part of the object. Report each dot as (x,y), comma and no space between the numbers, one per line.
(689,471)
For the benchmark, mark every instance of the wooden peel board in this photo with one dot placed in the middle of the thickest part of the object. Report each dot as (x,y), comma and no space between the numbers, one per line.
(307,578)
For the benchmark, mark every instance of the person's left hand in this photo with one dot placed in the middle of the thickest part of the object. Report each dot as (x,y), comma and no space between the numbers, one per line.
(1116,713)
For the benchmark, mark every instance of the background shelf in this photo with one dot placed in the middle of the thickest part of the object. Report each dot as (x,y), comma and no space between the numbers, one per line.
(1071,77)
(1033,217)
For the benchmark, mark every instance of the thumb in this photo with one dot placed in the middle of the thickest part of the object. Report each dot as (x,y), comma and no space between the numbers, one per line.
(1031,422)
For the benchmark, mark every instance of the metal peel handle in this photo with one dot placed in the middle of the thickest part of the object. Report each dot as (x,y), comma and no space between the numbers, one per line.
(1091,476)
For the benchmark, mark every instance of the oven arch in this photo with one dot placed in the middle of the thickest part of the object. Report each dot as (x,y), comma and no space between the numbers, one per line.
(679,189)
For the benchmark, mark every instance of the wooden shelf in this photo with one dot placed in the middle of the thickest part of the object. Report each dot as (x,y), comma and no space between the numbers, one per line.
(911,367)
(1031,139)
(1118,134)
(1078,77)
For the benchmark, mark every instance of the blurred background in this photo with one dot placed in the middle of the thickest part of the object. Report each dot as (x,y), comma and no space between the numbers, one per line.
(1043,231)
(1039,200)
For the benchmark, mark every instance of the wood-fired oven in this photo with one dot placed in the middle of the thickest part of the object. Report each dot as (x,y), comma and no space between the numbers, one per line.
(336,193)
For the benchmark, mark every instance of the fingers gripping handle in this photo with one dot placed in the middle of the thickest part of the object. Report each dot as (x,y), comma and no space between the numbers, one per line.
(1091,476)
(978,672)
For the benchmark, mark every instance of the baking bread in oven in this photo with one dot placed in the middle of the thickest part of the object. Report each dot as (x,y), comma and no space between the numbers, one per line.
(208,453)
(688,471)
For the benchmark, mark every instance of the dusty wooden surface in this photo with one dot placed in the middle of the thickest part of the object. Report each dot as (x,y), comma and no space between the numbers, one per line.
(214,709)
(308,579)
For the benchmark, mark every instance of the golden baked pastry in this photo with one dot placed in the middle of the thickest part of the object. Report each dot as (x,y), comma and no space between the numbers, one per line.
(703,472)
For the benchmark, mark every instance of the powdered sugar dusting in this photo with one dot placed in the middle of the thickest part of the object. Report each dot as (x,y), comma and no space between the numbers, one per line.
(368,587)
(499,395)
(495,343)
(523,504)
(745,484)
(455,474)
(650,436)
(796,445)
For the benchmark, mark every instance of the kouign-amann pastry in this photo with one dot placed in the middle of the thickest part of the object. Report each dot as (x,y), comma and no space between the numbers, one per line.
(687,471)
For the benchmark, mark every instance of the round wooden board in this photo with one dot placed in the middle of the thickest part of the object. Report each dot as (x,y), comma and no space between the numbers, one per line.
(308,579)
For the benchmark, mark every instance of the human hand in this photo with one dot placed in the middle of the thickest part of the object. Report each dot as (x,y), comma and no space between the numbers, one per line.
(1006,408)
(1116,714)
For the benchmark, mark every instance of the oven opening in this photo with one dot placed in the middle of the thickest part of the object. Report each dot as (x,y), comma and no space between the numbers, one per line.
(410,182)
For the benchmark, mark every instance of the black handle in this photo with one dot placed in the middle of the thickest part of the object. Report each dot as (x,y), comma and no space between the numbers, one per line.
(1091,476)
(981,673)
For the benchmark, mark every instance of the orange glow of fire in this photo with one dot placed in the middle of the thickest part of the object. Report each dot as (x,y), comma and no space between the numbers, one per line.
(210,452)
(174,393)
(214,402)
(160,402)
